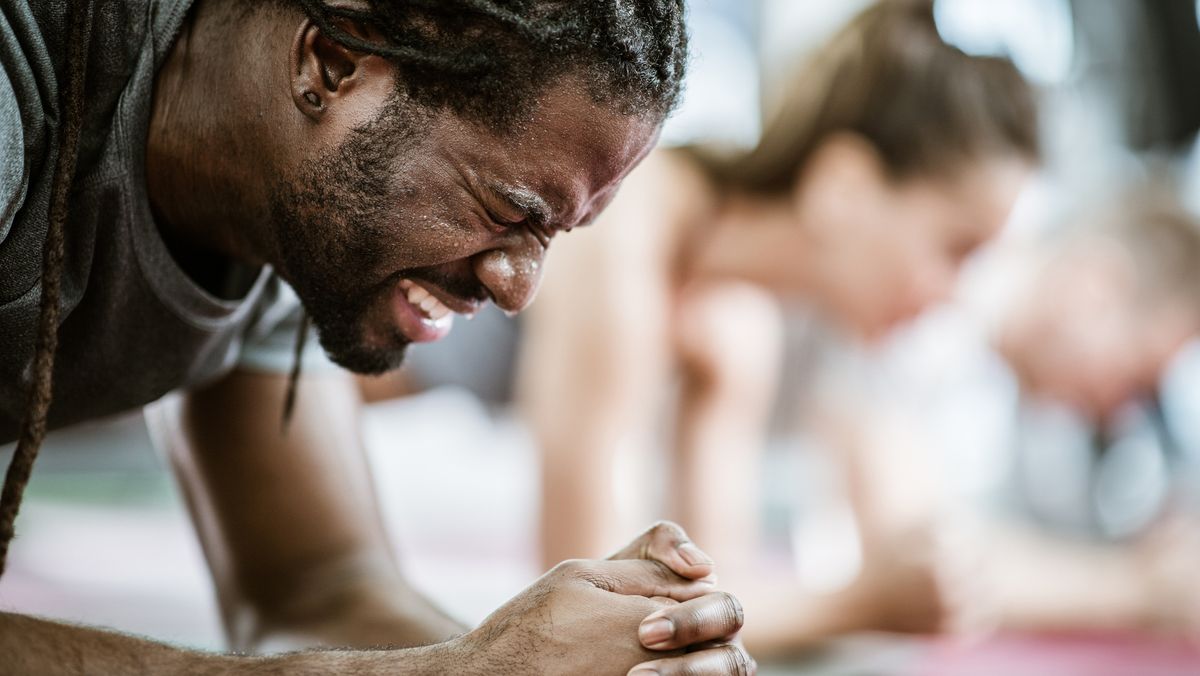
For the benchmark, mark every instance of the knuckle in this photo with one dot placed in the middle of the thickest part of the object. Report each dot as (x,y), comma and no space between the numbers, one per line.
(738,661)
(600,580)
(732,611)
(571,568)
(585,571)
(667,530)
(662,572)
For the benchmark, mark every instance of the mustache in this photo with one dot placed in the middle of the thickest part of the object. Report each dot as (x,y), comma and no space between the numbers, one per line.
(462,285)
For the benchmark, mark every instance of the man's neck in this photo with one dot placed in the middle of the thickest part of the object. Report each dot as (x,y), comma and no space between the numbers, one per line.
(205,163)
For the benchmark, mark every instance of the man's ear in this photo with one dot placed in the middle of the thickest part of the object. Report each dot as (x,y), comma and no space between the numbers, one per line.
(323,71)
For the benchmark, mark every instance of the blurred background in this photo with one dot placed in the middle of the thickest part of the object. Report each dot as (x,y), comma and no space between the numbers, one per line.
(1007,482)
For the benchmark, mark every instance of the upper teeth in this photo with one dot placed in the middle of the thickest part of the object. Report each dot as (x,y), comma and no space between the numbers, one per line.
(431,307)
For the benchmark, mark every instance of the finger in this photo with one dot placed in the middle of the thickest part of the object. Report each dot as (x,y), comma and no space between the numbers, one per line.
(725,660)
(667,543)
(713,617)
(637,578)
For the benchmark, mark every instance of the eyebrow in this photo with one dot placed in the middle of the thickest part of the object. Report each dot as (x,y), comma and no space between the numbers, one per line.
(528,202)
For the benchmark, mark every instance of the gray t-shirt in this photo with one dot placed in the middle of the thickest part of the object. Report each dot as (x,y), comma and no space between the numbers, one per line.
(133,326)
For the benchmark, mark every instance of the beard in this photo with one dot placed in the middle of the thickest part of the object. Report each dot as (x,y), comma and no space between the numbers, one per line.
(328,230)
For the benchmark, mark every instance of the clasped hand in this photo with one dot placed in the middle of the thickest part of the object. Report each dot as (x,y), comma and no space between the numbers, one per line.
(651,608)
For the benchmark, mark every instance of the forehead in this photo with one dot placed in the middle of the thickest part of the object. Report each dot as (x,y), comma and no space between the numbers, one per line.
(571,152)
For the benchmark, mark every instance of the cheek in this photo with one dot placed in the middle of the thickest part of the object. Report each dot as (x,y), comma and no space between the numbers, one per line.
(935,262)
(904,266)
(428,227)
(872,287)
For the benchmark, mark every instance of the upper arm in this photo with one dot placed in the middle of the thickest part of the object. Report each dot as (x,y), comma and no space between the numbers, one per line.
(594,344)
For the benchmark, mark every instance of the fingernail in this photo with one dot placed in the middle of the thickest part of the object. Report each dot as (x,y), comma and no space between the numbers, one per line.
(643,671)
(692,554)
(656,631)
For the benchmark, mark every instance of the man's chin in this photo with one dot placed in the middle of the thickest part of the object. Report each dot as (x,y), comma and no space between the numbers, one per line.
(370,363)
(365,359)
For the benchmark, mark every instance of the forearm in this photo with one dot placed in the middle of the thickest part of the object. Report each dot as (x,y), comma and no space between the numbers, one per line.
(1038,583)
(579,517)
(290,523)
(33,646)
(358,614)
(718,446)
(729,378)
(789,619)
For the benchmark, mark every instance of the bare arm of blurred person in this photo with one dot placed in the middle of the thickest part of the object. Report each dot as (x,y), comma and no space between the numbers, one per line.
(729,340)
(954,568)
(289,522)
(594,361)
(1003,576)
(897,587)
(599,350)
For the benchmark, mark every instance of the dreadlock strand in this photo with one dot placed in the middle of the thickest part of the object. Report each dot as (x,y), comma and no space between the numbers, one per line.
(33,427)
(289,400)
(322,15)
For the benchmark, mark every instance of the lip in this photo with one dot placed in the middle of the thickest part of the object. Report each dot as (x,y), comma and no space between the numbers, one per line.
(412,322)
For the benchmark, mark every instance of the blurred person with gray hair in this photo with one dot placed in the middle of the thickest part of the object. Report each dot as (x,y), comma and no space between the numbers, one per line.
(1059,436)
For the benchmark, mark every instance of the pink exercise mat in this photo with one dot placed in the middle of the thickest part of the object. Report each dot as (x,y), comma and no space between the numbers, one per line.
(1106,654)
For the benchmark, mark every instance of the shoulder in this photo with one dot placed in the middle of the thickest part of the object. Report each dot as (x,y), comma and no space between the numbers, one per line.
(678,183)
(658,198)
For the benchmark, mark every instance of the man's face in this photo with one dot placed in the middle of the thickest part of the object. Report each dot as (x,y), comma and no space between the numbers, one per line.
(406,223)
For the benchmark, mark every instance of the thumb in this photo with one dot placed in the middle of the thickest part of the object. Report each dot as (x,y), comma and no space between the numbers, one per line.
(668,544)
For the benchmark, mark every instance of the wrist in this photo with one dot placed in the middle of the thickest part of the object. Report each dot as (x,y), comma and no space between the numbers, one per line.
(358,616)
(431,660)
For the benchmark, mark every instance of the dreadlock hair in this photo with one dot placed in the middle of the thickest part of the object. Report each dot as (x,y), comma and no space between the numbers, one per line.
(487,60)
(33,426)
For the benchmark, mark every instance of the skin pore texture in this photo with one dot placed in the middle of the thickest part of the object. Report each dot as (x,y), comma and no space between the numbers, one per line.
(270,144)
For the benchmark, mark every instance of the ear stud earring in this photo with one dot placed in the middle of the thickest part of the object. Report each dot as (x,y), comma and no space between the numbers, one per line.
(313,99)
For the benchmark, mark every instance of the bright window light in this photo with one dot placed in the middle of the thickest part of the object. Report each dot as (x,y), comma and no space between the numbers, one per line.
(1037,34)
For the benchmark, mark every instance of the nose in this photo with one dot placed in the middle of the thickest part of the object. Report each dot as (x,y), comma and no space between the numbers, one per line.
(512,273)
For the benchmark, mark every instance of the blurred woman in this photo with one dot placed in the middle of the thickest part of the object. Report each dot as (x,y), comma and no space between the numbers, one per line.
(892,157)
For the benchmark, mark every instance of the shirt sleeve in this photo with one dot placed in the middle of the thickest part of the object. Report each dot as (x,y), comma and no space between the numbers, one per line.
(270,345)
(12,156)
